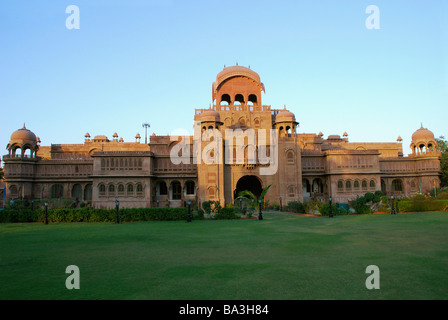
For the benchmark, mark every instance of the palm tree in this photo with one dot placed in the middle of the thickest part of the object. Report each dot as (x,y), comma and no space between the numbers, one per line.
(248,194)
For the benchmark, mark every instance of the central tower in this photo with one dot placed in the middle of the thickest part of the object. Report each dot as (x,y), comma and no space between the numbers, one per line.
(247,150)
(237,85)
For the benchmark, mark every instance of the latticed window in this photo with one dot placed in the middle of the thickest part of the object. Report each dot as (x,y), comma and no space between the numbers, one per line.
(139,188)
(348,185)
(340,185)
(364,184)
(102,189)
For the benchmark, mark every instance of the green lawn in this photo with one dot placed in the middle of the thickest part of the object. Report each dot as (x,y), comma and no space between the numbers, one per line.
(283,256)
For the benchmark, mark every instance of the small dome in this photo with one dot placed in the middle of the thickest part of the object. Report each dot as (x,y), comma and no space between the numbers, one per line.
(210,115)
(121,140)
(23,136)
(285,116)
(399,139)
(115,135)
(422,135)
(87,135)
(345,134)
(137,136)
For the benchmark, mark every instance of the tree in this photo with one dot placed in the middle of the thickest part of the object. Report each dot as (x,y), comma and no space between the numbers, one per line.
(250,195)
(443,148)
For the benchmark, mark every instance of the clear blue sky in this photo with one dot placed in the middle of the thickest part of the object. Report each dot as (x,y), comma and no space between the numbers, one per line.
(155,60)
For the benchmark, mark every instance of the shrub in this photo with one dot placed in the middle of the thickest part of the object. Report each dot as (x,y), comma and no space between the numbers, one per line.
(369,196)
(94,215)
(200,214)
(419,205)
(359,205)
(227,213)
(296,206)
(313,206)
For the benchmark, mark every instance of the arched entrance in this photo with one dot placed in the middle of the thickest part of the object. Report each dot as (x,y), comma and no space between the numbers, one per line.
(250,183)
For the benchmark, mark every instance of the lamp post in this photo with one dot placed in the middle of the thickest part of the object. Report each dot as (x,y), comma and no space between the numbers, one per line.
(46,212)
(393,205)
(260,215)
(157,203)
(117,207)
(331,208)
(146,126)
(189,211)
(281,207)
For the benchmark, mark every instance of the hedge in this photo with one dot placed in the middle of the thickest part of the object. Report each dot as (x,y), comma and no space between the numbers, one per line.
(419,205)
(94,215)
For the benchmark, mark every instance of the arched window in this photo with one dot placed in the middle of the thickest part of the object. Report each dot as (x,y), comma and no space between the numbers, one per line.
(163,190)
(13,191)
(88,192)
(225,99)
(356,185)
(290,157)
(190,187)
(372,184)
(253,99)
(239,98)
(257,123)
(397,185)
(57,191)
(340,185)
(211,193)
(77,192)
(318,186)
(130,189)
(291,192)
(102,189)
(139,188)
(383,186)
(176,189)
(120,189)
(306,186)
(364,185)
(348,185)
(111,189)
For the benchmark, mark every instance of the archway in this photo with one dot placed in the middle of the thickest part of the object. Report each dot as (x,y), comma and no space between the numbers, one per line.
(249,183)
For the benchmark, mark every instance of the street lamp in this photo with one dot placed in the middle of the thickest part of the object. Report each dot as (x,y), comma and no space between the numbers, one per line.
(146,126)
(117,206)
(281,207)
(331,208)
(393,207)
(189,211)
(46,212)
(260,216)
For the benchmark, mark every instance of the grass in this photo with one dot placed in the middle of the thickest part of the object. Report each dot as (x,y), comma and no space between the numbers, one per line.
(282,257)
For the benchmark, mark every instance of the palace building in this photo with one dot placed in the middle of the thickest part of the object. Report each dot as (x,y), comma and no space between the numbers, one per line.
(298,167)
